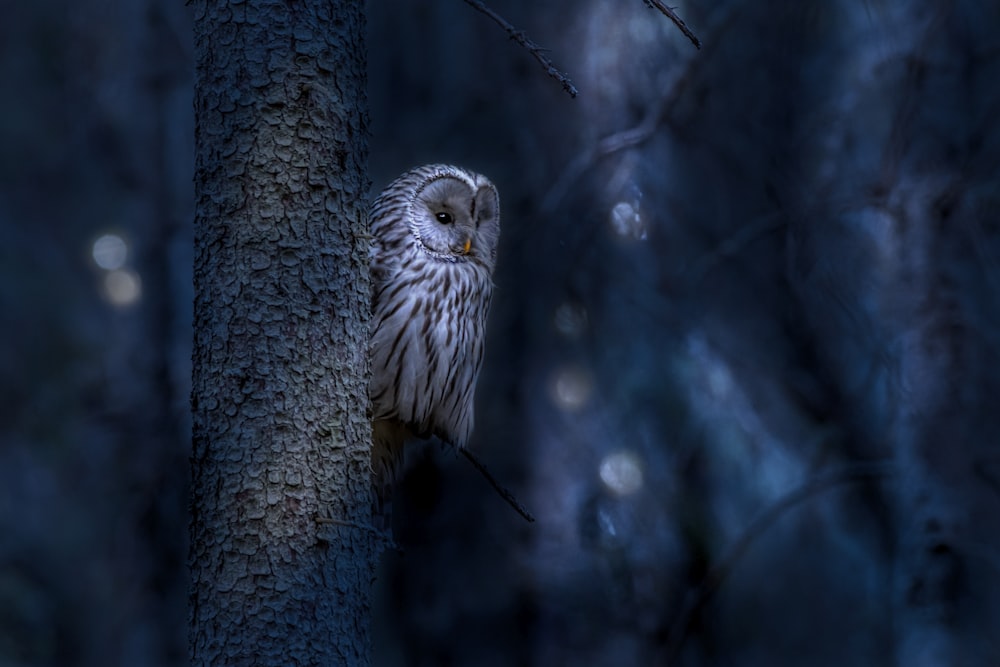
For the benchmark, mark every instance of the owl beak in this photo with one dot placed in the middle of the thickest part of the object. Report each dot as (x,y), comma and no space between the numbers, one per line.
(467,246)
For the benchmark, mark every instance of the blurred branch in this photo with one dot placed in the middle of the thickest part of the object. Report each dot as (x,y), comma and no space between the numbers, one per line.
(735,243)
(699,595)
(610,144)
(678,21)
(536,51)
(638,134)
(988,472)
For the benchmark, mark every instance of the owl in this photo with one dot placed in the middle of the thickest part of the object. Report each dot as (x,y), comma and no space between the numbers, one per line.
(434,243)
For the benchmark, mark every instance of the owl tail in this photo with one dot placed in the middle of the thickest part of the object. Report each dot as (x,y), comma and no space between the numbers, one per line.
(382,510)
(388,436)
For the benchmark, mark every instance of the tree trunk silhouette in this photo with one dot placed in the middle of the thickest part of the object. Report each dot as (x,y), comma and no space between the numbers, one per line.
(909,260)
(281,435)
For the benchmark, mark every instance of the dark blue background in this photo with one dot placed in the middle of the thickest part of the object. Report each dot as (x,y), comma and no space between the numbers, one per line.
(744,336)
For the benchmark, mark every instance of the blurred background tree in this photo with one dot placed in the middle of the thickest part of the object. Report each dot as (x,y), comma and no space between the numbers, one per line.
(742,361)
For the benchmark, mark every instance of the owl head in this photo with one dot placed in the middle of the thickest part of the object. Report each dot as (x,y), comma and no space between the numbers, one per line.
(455,215)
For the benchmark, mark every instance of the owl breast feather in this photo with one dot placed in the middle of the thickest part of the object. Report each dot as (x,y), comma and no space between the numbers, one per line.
(427,347)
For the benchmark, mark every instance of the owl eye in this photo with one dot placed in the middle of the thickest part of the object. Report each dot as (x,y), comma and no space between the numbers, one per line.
(444,217)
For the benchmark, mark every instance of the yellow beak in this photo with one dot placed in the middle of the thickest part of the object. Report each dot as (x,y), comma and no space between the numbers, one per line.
(468,245)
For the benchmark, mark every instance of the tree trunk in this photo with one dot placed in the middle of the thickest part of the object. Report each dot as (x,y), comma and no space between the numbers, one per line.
(899,263)
(943,403)
(946,581)
(280,426)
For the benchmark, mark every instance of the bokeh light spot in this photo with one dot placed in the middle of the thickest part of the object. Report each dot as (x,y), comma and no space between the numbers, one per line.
(571,388)
(621,472)
(110,252)
(570,319)
(122,287)
(627,221)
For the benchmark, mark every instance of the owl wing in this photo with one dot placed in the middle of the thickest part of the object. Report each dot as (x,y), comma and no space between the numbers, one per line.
(383,266)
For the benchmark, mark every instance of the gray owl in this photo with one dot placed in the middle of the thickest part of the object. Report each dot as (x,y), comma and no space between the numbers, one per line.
(435,231)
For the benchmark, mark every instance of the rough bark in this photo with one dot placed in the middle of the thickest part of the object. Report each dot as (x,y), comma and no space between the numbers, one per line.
(280,430)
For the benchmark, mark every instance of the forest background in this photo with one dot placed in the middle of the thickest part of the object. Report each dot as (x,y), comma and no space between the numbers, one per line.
(742,362)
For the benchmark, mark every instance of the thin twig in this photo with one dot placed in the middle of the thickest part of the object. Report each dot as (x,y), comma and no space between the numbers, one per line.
(698,596)
(657,113)
(535,50)
(498,487)
(678,21)
(379,535)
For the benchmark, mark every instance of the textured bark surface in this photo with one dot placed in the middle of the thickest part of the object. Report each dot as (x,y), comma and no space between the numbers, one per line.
(281,435)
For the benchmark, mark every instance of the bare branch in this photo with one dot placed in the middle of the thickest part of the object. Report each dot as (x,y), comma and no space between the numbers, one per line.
(678,21)
(614,143)
(498,487)
(536,51)
(699,595)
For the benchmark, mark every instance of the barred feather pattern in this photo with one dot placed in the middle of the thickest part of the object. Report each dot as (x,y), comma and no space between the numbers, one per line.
(435,231)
